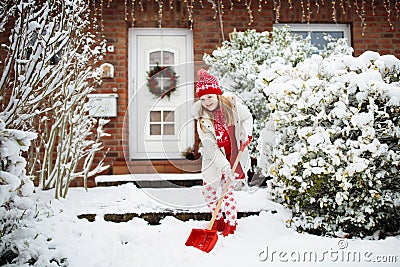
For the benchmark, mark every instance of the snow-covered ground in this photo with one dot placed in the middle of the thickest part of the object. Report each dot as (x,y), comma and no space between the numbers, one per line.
(262,240)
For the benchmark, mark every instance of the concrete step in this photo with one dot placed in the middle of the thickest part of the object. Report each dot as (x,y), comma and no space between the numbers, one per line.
(164,180)
(154,218)
(126,202)
(151,180)
(156,166)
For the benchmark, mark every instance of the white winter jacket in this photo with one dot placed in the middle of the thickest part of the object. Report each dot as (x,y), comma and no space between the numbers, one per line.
(213,157)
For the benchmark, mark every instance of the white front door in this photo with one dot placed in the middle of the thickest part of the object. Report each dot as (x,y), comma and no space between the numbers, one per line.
(160,127)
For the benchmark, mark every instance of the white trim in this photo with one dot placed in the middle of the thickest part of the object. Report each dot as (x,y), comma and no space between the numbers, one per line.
(133,33)
(311,27)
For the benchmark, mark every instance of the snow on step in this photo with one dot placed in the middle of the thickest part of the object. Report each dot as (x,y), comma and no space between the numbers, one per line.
(151,180)
(128,198)
(148,177)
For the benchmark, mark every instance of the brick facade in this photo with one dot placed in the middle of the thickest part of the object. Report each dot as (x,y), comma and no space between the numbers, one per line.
(377,36)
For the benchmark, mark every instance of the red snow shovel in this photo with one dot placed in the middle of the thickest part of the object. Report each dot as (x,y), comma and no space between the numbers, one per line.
(205,240)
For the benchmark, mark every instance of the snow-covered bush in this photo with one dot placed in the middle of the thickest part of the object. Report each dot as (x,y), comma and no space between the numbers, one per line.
(48,72)
(332,144)
(238,62)
(20,244)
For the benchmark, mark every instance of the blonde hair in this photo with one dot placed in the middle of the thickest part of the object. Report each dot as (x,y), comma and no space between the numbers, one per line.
(227,106)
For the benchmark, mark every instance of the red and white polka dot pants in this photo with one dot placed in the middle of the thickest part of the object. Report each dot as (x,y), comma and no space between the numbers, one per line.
(228,206)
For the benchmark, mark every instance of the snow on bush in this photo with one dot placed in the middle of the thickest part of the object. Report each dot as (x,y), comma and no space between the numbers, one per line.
(332,144)
(20,244)
(238,62)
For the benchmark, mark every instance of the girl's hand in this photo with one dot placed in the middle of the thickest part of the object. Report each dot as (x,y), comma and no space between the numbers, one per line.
(228,173)
(246,143)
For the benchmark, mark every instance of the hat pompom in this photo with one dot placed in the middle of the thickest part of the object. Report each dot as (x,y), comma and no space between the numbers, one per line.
(207,84)
(202,74)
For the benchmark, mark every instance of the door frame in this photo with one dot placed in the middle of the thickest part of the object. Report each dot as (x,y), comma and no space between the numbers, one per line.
(133,33)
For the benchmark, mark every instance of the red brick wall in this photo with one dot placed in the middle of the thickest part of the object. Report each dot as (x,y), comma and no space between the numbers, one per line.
(115,31)
(378,36)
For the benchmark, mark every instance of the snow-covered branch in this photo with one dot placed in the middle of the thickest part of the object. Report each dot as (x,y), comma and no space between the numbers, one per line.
(48,72)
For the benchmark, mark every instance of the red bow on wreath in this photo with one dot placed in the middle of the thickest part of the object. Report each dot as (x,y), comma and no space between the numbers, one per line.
(161,72)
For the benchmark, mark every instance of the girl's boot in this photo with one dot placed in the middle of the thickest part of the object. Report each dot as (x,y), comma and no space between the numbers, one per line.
(219,225)
(229,229)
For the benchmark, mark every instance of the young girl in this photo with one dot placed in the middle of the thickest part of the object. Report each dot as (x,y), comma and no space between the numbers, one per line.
(223,124)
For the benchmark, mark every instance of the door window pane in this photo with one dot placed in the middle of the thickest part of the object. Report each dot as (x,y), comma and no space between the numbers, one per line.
(155,116)
(155,129)
(168,58)
(168,116)
(169,129)
(162,122)
(155,57)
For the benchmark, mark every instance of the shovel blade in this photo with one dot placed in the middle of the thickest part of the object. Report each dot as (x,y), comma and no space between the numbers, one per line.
(204,240)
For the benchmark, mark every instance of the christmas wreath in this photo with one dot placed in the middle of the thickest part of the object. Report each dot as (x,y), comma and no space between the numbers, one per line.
(161,72)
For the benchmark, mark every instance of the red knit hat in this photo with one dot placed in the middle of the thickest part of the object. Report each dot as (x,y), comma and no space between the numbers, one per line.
(207,84)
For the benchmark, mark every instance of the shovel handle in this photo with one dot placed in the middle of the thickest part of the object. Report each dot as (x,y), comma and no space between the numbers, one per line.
(225,190)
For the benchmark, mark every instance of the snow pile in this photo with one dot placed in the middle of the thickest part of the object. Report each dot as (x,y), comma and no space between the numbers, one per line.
(20,242)
(332,144)
(262,240)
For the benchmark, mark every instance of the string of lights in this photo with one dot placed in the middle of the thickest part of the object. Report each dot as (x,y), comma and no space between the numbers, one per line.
(308,8)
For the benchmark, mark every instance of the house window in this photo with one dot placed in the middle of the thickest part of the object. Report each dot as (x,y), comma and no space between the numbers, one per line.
(318,31)
(162,122)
